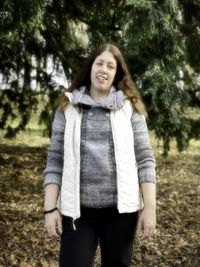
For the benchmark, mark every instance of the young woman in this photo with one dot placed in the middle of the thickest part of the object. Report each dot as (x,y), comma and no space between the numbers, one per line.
(100,168)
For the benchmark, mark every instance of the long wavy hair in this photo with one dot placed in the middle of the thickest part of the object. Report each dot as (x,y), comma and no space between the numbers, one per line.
(122,80)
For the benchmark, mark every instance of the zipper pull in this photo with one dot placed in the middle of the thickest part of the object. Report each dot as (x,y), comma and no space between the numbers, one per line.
(74,226)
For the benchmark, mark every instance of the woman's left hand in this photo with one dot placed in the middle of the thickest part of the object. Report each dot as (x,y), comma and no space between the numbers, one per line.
(147,222)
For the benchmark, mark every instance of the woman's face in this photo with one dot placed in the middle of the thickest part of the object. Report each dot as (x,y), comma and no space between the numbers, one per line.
(103,72)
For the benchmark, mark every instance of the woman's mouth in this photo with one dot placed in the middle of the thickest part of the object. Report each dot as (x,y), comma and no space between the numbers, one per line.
(101,77)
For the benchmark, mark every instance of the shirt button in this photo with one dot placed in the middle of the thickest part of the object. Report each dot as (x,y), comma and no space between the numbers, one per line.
(107,114)
(90,113)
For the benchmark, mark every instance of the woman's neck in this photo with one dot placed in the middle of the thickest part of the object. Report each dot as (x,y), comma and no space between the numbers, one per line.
(97,96)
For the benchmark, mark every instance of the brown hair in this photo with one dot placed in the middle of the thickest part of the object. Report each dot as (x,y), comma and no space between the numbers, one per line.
(122,81)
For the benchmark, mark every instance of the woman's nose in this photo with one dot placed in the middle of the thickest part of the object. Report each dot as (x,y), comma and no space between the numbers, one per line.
(104,69)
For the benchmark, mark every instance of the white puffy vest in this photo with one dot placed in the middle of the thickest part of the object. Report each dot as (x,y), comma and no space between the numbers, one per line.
(128,191)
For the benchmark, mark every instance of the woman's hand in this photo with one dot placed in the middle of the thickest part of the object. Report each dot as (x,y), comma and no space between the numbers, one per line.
(53,223)
(147,222)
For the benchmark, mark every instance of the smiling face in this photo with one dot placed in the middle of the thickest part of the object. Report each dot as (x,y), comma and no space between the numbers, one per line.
(103,73)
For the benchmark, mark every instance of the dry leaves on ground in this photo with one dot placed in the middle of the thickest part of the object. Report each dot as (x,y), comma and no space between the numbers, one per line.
(24,241)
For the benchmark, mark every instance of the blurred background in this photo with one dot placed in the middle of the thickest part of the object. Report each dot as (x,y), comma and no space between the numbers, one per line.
(42,46)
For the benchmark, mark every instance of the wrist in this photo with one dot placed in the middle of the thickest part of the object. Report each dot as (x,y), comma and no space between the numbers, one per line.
(50,205)
(50,210)
(150,207)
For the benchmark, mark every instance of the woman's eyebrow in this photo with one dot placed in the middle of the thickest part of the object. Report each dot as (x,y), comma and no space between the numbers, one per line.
(110,62)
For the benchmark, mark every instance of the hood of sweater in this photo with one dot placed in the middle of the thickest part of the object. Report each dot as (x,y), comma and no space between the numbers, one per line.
(113,101)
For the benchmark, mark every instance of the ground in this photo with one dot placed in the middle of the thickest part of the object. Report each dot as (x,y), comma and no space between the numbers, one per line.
(24,241)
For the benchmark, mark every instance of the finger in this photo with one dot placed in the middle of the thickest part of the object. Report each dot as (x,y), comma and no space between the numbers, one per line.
(60,226)
(152,231)
(146,233)
(48,228)
(139,226)
(50,232)
(53,231)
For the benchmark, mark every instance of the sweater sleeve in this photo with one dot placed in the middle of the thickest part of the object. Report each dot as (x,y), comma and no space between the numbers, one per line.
(55,152)
(143,150)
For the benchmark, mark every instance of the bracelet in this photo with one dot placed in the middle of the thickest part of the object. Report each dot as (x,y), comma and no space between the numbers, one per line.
(50,211)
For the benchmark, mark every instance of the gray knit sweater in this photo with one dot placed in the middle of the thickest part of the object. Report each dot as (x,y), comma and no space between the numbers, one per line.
(98,168)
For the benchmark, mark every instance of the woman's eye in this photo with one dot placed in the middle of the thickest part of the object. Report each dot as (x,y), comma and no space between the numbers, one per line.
(99,63)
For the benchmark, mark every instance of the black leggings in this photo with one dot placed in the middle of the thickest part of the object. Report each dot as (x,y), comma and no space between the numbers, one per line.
(115,233)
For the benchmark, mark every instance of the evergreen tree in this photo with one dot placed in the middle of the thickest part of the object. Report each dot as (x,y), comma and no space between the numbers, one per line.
(160,40)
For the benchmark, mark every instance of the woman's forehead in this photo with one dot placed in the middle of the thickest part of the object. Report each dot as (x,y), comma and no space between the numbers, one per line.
(106,56)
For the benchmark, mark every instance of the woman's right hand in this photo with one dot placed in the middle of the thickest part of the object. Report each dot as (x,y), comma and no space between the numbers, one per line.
(53,223)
